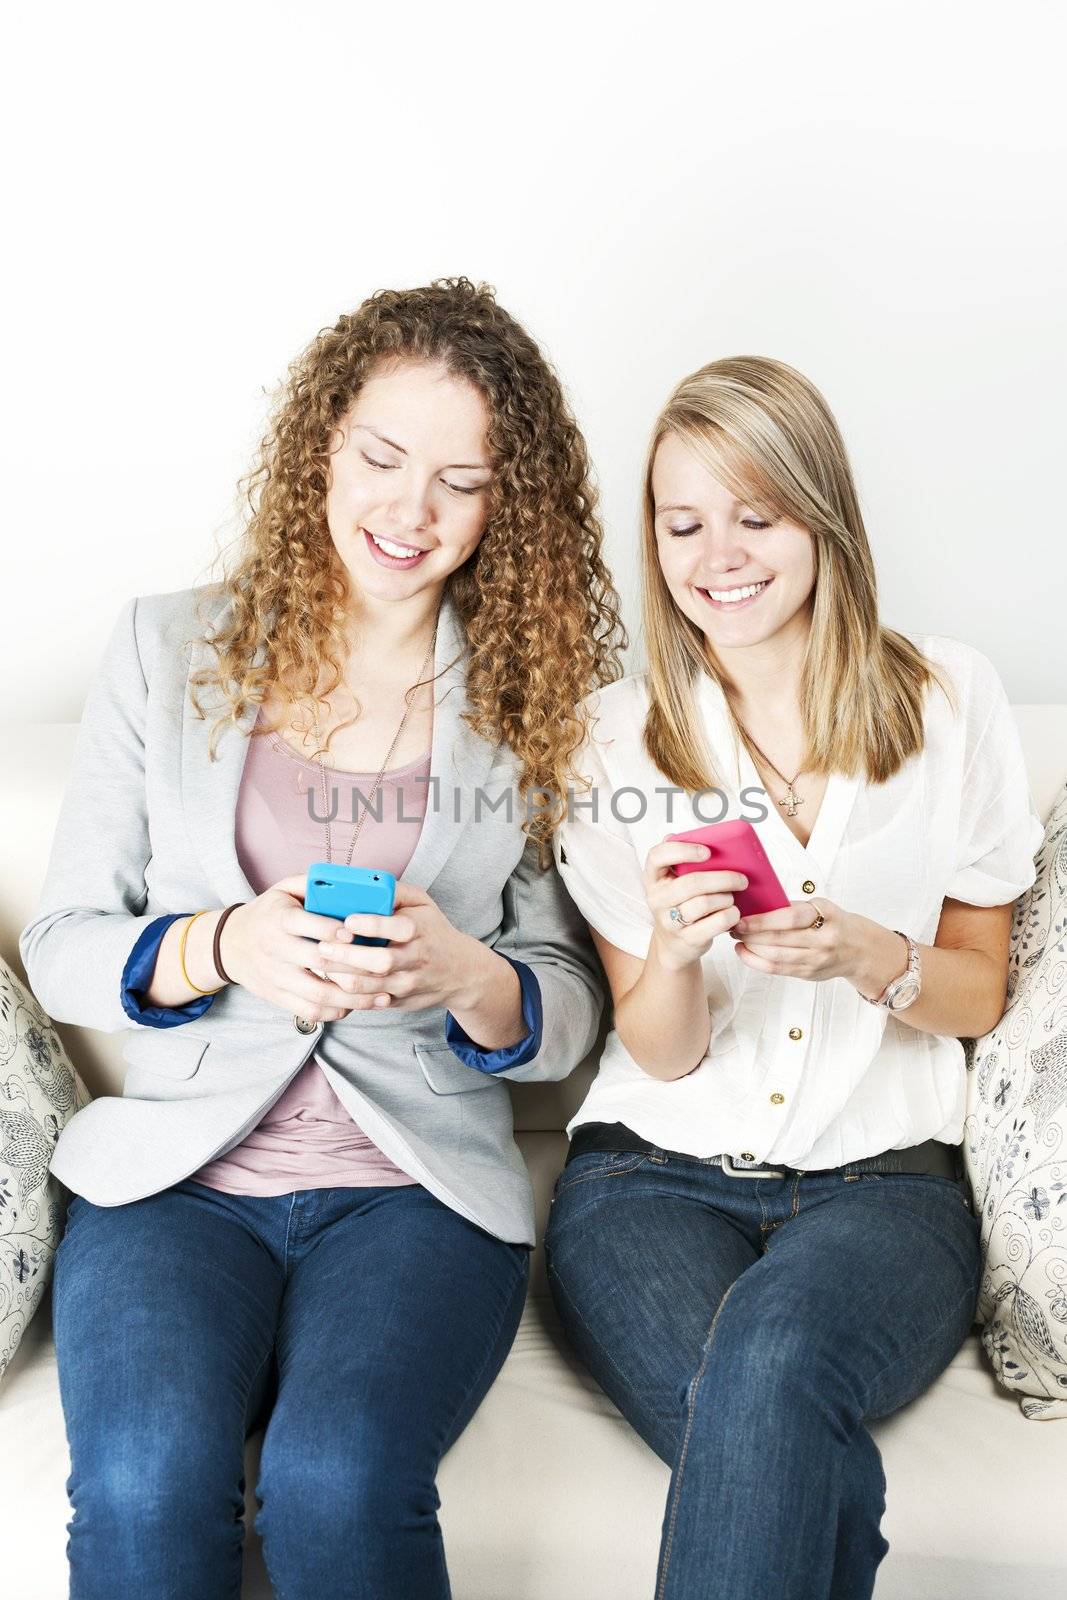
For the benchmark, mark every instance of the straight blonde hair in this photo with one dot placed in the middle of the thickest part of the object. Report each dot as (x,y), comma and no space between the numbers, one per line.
(768,435)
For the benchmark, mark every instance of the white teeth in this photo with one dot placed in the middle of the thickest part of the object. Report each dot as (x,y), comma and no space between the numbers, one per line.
(730,595)
(392,549)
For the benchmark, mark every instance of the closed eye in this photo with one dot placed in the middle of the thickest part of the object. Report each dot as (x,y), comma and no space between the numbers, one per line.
(390,466)
(746,522)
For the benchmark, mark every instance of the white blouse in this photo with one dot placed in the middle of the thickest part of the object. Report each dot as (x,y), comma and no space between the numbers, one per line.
(799,1071)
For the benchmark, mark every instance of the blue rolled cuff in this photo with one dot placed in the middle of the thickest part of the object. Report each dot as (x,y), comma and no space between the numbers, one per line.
(515,1055)
(137,976)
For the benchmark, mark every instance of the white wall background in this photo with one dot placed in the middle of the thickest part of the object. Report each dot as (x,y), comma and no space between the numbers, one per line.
(872,193)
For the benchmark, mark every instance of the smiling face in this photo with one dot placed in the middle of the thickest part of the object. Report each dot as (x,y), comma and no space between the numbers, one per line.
(410,475)
(741,577)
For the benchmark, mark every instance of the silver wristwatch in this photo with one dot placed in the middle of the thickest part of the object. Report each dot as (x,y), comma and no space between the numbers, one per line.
(901,992)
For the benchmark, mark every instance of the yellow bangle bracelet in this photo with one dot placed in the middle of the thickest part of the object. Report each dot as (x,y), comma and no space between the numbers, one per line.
(181,956)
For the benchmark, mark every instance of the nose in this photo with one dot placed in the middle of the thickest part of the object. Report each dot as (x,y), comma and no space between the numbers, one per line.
(723,550)
(409,510)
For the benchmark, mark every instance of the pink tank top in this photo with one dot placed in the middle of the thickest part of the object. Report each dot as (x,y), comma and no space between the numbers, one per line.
(307,1140)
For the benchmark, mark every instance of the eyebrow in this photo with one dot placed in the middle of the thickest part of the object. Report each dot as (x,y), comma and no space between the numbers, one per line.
(453,466)
(695,509)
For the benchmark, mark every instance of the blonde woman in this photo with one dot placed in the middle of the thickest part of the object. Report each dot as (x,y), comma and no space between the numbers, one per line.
(307,1208)
(762,1238)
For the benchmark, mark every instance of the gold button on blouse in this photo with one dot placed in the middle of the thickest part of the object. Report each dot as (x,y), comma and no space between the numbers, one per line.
(796,1033)
(777,1099)
(807,886)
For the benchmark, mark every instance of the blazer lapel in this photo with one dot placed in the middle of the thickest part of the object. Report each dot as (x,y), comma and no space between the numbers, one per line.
(460,761)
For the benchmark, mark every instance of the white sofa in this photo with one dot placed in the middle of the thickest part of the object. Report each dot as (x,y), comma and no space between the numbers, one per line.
(549,1495)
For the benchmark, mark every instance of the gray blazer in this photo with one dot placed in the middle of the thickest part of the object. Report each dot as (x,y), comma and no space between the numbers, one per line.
(147,827)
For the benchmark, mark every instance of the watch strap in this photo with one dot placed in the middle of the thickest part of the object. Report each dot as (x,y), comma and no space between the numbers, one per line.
(913,968)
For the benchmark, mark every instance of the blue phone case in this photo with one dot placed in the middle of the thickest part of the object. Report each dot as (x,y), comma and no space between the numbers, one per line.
(337,891)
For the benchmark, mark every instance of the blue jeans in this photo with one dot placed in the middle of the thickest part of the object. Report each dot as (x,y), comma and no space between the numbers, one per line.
(748,1328)
(368,1324)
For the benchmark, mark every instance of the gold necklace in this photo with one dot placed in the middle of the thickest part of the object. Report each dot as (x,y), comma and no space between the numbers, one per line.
(792,800)
(381,772)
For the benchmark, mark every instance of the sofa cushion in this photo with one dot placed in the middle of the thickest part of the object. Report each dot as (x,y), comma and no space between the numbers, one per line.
(1015,1145)
(39,1092)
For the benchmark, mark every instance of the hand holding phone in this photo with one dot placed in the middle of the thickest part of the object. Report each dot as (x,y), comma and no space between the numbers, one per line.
(265,942)
(736,847)
(337,891)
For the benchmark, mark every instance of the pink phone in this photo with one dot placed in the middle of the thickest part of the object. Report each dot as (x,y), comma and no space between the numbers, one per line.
(735,847)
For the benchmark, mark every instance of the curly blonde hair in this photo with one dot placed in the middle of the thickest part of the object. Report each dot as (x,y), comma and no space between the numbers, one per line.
(536,601)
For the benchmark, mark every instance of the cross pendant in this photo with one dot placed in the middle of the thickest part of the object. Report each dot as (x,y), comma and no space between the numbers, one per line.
(792,800)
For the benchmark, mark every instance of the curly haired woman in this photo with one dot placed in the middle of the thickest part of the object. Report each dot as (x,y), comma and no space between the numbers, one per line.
(307,1206)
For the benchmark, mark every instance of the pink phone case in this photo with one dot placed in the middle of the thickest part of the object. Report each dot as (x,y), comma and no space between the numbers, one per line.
(736,847)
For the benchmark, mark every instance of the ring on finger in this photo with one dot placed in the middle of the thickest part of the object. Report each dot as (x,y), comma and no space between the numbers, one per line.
(678,918)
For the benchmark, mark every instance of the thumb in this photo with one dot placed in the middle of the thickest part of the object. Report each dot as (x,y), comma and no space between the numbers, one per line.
(408,894)
(296,885)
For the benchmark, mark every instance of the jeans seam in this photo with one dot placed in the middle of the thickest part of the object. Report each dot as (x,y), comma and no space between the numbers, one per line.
(288,1230)
(600,1172)
(691,1410)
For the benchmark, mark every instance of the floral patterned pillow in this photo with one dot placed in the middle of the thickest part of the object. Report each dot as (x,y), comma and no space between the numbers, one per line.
(39,1093)
(1015,1145)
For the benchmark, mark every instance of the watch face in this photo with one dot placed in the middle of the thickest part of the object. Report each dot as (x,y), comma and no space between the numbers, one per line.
(904,992)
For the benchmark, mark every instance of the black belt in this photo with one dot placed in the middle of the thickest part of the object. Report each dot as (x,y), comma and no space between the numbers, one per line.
(933,1156)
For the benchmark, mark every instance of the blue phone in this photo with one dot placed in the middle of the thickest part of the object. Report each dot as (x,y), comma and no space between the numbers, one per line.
(337,891)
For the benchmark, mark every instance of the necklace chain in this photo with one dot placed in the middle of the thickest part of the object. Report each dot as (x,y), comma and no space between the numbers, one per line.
(792,800)
(381,771)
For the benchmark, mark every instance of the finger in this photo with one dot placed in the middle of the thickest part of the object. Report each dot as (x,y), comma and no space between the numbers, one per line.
(301,955)
(750,959)
(787,939)
(309,924)
(703,905)
(319,991)
(372,925)
(407,894)
(797,915)
(372,984)
(304,1005)
(704,928)
(678,893)
(780,959)
(669,852)
(361,958)
(674,892)
(703,882)
(295,885)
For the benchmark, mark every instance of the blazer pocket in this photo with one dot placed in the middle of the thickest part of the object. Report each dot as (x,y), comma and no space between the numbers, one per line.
(447,1074)
(171,1052)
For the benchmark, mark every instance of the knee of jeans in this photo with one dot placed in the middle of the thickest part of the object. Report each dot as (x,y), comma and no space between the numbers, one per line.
(771,1362)
(375,1487)
(149,1480)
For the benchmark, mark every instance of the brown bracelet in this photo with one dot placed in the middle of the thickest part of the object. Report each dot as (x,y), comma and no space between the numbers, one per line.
(216,948)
